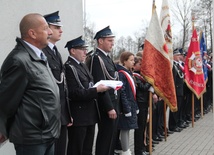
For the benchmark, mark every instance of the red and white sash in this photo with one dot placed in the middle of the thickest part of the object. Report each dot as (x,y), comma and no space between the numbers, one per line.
(139,76)
(131,82)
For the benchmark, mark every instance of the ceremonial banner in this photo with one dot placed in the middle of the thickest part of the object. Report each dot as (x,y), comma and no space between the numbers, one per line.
(166,27)
(194,76)
(203,50)
(156,67)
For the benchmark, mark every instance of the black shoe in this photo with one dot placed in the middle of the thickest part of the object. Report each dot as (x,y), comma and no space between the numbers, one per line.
(160,136)
(182,126)
(117,152)
(170,132)
(155,142)
(156,138)
(195,119)
(186,124)
(177,129)
(187,121)
(197,116)
(145,153)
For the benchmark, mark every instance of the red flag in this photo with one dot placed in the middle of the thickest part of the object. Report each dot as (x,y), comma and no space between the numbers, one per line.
(193,68)
(156,67)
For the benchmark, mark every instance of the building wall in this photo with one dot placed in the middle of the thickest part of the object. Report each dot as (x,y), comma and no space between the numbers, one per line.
(12,11)
(213,50)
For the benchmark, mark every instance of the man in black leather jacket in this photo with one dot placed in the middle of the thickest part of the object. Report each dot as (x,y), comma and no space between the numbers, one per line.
(29,95)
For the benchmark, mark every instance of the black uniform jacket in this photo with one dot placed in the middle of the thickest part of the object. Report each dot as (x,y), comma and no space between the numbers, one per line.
(82,100)
(178,78)
(57,68)
(107,100)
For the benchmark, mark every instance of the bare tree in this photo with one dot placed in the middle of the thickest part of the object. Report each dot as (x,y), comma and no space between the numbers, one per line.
(120,45)
(89,32)
(182,14)
(141,34)
(205,20)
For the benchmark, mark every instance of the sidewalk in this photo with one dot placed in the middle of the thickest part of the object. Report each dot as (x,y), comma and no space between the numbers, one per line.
(190,141)
(197,140)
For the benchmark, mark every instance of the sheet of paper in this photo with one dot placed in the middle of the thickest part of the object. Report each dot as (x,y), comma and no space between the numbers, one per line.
(110,83)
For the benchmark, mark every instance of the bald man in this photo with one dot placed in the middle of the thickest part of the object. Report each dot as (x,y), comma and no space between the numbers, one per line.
(29,95)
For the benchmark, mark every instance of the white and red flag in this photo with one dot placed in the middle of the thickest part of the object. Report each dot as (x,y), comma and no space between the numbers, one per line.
(156,66)
(166,27)
(194,76)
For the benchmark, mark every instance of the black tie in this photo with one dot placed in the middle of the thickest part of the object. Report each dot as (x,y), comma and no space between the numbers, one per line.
(108,56)
(55,50)
(81,64)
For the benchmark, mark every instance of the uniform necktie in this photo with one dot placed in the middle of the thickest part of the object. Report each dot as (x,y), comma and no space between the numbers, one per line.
(55,50)
(108,56)
(81,64)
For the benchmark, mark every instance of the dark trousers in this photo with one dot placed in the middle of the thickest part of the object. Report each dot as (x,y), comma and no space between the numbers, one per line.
(61,143)
(80,140)
(117,141)
(160,116)
(139,145)
(173,119)
(181,105)
(197,105)
(154,120)
(39,149)
(106,136)
(176,117)
(188,103)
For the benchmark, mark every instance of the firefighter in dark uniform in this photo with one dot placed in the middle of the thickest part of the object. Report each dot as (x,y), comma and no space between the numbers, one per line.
(82,97)
(56,65)
(176,123)
(103,68)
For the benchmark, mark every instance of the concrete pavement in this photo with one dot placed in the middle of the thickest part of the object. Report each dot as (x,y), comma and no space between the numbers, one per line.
(198,140)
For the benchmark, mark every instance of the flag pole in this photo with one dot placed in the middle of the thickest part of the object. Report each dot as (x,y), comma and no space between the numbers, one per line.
(153,6)
(193,20)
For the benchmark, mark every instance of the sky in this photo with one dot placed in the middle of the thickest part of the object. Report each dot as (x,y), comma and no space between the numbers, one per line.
(125,17)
